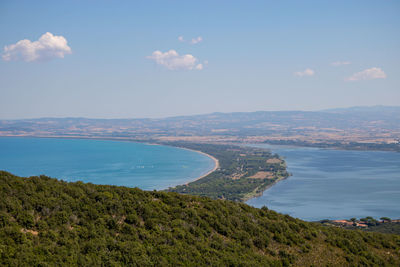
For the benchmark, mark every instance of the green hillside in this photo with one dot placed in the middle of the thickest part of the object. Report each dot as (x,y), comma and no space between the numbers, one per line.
(48,222)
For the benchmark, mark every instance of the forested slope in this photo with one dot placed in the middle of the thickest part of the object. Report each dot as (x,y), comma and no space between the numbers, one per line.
(48,222)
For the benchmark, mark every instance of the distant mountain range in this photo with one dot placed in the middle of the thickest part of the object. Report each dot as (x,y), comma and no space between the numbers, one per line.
(378,109)
(377,124)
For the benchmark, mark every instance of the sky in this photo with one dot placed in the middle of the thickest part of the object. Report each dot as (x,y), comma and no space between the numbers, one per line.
(137,59)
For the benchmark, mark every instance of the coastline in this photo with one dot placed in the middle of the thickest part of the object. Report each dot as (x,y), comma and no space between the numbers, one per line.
(215,160)
(216,163)
(255,194)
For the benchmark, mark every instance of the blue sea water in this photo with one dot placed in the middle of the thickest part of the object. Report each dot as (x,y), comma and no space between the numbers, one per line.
(102,162)
(335,184)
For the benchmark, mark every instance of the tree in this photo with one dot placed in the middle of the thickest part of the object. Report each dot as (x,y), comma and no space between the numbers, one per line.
(386,219)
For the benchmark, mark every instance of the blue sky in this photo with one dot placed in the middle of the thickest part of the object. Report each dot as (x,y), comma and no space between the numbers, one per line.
(124,59)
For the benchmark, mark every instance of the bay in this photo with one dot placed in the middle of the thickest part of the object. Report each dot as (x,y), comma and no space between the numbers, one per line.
(102,162)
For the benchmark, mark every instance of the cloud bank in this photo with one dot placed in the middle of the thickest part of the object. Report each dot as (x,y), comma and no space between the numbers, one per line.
(47,47)
(306,72)
(173,61)
(368,74)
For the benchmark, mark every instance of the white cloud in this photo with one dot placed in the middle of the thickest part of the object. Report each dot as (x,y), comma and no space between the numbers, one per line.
(368,74)
(173,61)
(47,47)
(193,41)
(340,63)
(196,40)
(306,72)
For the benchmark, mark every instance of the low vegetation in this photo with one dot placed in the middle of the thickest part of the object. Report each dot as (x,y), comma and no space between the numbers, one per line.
(244,172)
(47,222)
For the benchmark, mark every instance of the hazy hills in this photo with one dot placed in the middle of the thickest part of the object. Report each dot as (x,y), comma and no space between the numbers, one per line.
(377,125)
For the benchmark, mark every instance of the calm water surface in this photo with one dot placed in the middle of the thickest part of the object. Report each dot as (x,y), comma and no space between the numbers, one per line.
(332,184)
(102,162)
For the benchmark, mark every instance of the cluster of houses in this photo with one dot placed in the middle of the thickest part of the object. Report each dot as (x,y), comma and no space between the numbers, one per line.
(363,223)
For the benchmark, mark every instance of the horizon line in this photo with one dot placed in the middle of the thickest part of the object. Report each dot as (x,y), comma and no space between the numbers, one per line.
(203,114)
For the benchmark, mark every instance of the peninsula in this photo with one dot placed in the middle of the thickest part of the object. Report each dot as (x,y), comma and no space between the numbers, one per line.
(242,173)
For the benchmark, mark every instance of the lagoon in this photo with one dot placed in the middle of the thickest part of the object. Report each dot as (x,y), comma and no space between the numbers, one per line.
(102,162)
(335,184)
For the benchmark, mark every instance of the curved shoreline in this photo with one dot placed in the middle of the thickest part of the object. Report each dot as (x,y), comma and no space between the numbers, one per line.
(216,161)
(255,194)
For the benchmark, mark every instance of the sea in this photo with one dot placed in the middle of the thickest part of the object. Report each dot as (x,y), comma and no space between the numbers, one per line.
(120,163)
(335,184)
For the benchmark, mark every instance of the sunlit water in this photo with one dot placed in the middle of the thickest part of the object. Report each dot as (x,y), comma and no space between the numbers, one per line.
(335,184)
(102,162)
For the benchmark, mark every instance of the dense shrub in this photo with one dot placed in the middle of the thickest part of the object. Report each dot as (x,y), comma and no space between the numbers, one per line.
(48,222)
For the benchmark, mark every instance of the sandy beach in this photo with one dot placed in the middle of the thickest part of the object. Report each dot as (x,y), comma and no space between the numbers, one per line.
(216,163)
